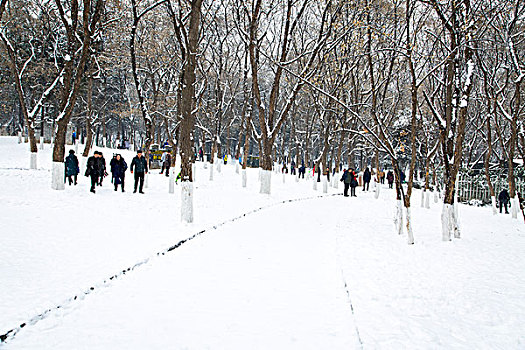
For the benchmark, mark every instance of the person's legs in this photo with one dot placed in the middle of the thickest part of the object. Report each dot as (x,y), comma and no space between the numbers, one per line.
(94,180)
(76,178)
(346,190)
(122,183)
(167,171)
(136,182)
(506,203)
(141,186)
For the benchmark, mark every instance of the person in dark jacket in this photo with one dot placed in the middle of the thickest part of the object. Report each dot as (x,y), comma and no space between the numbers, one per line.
(102,168)
(346,183)
(367,176)
(390,179)
(112,163)
(93,169)
(141,167)
(352,180)
(119,171)
(72,169)
(302,171)
(504,199)
(167,163)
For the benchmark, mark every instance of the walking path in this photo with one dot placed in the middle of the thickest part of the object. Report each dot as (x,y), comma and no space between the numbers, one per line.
(270,280)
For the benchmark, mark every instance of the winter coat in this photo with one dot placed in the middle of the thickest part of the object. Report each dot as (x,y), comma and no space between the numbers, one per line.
(343,178)
(349,178)
(100,166)
(390,177)
(119,170)
(167,160)
(112,165)
(140,164)
(94,166)
(72,165)
(367,176)
(504,196)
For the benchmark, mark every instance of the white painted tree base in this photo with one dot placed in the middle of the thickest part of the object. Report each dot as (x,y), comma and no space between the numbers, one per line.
(515,207)
(494,207)
(186,208)
(336,182)
(244,178)
(76,146)
(398,217)
(20,137)
(171,181)
(193,172)
(449,223)
(325,185)
(205,165)
(33,160)
(423,198)
(146,176)
(211,172)
(314,184)
(284,178)
(58,173)
(436,197)
(41,143)
(378,191)
(266,182)
(83,162)
(237,167)
(410,238)
(297,178)
(427,200)
(219,165)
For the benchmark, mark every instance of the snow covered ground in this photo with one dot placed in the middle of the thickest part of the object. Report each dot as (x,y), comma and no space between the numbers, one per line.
(318,272)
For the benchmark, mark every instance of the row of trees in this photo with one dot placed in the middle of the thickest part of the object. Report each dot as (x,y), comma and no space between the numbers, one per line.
(425,85)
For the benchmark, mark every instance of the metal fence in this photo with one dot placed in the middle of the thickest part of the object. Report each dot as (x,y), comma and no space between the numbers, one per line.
(470,187)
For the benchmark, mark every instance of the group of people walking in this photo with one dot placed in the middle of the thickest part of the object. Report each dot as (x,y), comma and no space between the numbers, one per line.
(96,170)
(349,179)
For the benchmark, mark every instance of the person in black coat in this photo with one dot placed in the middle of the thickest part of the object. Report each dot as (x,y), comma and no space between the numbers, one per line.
(346,183)
(102,168)
(353,181)
(93,169)
(390,179)
(367,176)
(72,169)
(302,171)
(119,168)
(141,167)
(504,199)
(112,167)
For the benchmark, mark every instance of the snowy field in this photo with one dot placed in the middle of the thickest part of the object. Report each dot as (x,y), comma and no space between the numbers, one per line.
(301,270)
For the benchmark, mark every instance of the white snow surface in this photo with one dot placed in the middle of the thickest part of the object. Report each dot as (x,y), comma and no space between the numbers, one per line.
(319,272)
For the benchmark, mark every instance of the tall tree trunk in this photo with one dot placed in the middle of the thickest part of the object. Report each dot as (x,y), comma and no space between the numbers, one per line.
(89,116)
(72,81)
(188,117)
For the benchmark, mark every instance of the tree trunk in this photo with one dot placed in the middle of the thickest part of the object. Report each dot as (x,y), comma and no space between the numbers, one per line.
(188,118)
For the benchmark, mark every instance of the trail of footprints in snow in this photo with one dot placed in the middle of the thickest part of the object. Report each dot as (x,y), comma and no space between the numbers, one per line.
(12,333)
